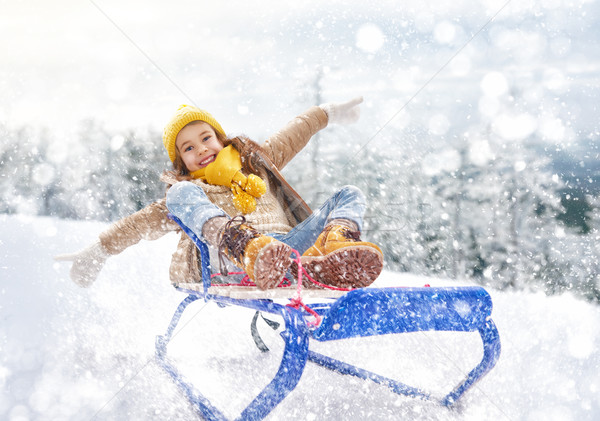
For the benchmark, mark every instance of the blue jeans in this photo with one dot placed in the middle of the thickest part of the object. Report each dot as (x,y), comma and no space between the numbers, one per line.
(190,204)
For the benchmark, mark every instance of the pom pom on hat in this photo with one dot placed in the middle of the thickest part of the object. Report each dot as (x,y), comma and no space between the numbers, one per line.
(185,114)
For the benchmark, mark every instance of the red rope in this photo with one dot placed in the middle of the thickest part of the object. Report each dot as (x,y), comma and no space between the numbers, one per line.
(295,302)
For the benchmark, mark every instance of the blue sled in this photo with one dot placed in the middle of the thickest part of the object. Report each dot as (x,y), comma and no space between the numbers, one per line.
(359,313)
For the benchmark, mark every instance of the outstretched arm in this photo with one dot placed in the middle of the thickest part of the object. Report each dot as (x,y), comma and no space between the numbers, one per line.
(149,223)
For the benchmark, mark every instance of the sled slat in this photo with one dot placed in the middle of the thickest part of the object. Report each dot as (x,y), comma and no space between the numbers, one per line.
(251,292)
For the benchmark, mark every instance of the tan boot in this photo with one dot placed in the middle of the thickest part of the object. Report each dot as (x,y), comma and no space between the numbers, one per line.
(265,259)
(339,258)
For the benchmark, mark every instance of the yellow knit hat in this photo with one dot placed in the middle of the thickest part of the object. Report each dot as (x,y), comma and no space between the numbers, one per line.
(186,114)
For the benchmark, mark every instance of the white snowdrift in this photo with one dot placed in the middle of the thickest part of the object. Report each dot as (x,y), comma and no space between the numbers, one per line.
(78,354)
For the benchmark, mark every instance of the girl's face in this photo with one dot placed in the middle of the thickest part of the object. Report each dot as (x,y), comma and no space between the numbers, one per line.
(198,145)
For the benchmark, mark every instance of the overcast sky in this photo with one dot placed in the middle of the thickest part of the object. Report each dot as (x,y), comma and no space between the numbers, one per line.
(254,64)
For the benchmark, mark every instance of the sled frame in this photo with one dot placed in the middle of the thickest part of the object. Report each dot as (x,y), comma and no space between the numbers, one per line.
(359,313)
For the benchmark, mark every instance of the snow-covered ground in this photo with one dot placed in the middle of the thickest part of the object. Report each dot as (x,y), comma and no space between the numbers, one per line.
(68,353)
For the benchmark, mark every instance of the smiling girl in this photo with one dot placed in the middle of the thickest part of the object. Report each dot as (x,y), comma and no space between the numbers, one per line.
(229,192)
(198,145)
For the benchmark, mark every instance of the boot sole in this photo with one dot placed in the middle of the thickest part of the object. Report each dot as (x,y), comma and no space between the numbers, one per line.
(271,265)
(349,267)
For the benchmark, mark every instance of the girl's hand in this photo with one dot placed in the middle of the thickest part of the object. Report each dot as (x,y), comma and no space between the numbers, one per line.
(87,263)
(344,113)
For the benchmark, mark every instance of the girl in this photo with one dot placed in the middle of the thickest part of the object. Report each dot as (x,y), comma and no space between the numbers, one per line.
(230,193)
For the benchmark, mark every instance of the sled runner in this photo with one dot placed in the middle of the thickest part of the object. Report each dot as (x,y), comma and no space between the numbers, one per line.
(349,314)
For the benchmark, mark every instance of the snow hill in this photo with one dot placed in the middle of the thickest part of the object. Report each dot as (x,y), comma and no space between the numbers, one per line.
(79,354)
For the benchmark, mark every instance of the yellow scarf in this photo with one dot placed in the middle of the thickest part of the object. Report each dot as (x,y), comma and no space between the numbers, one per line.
(225,171)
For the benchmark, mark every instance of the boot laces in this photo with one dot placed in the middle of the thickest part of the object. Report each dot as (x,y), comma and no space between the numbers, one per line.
(351,235)
(347,233)
(234,238)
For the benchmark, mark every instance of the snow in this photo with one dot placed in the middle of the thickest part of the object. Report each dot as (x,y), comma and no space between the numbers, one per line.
(480,152)
(444,160)
(369,38)
(444,32)
(439,124)
(494,84)
(514,126)
(70,354)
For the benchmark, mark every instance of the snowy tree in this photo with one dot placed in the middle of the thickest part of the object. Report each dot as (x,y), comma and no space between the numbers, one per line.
(88,172)
(139,159)
(109,175)
(395,205)
(455,199)
(580,254)
(7,172)
(25,172)
(519,202)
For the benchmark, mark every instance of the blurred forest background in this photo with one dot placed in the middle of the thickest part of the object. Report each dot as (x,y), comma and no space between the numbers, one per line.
(505,214)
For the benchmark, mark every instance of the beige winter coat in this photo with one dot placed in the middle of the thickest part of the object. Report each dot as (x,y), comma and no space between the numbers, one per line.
(278,210)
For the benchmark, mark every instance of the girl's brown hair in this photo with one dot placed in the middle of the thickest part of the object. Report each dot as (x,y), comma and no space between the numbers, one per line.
(245,146)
